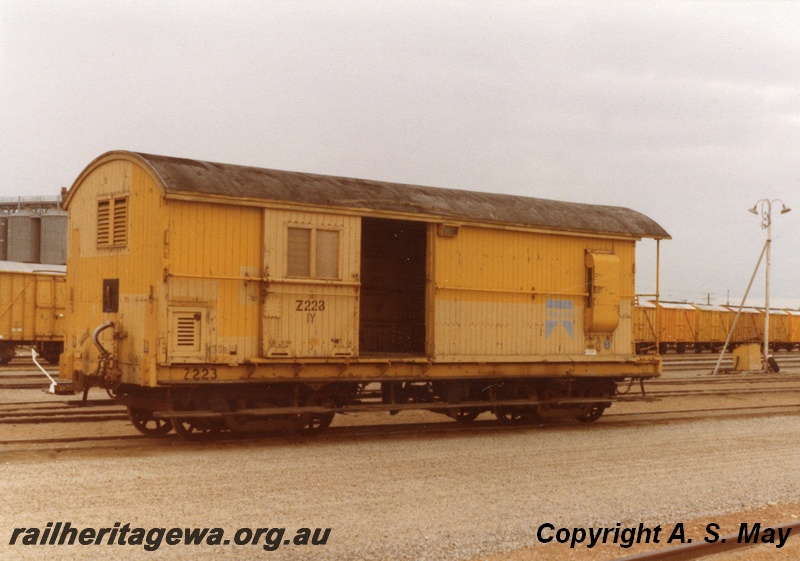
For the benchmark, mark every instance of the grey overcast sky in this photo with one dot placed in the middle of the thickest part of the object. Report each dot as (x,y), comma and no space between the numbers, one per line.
(686,111)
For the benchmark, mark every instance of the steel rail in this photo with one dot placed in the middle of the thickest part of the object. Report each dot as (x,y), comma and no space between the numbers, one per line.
(61,413)
(48,405)
(79,418)
(789,407)
(24,386)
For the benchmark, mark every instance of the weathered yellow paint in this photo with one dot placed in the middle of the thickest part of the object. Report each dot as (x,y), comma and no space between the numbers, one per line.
(602,313)
(214,267)
(794,326)
(32,306)
(310,317)
(136,265)
(322,370)
(205,292)
(713,324)
(779,327)
(644,324)
(749,327)
(507,295)
(671,324)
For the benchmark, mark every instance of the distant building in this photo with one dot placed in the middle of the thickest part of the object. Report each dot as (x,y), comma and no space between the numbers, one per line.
(33,229)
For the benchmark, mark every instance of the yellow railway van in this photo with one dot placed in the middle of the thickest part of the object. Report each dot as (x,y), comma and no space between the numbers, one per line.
(794,329)
(220,297)
(749,327)
(713,324)
(779,328)
(677,326)
(32,301)
(706,327)
(644,326)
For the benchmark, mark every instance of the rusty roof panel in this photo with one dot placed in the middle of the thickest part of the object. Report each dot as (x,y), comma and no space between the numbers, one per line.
(227,180)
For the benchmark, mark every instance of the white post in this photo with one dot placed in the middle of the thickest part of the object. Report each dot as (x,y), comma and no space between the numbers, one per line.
(765,206)
(766,295)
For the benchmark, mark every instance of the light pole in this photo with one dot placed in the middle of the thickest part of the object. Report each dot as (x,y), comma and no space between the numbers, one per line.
(764,206)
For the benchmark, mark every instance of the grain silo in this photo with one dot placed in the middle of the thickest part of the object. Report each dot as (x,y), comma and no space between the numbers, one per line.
(23,237)
(3,238)
(53,239)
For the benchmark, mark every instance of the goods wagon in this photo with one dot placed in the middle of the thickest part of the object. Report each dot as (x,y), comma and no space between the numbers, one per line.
(32,301)
(778,328)
(705,327)
(677,325)
(794,329)
(644,326)
(216,297)
(748,328)
(712,326)
(667,324)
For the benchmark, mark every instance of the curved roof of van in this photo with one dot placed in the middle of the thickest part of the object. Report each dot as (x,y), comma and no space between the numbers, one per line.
(235,184)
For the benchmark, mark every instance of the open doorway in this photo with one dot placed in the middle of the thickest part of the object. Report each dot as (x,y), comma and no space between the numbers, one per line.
(392,303)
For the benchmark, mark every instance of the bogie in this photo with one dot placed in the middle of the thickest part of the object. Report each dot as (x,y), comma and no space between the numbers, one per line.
(201,413)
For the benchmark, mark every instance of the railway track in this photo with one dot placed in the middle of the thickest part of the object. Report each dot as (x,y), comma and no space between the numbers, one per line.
(54,411)
(21,374)
(707,361)
(380,431)
(72,413)
(27,382)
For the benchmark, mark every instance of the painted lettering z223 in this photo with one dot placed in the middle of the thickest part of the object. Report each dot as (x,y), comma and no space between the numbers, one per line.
(200,373)
(309,305)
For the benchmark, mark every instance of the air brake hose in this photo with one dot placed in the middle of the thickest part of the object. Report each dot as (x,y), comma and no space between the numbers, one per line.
(95,337)
(104,356)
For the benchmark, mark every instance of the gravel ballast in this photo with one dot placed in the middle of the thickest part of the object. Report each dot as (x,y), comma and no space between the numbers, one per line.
(420,496)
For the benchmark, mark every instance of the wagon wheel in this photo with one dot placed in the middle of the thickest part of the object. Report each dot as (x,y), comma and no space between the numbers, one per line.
(7,352)
(195,429)
(52,359)
(513,416)
(312,424)
(591,413)
(143,421)
(464,416)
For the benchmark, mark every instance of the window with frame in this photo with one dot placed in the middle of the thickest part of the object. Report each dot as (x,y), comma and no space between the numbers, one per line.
(112,222)
(312,253)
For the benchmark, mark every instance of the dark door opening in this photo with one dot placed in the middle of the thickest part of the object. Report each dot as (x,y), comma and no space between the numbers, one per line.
(392,303)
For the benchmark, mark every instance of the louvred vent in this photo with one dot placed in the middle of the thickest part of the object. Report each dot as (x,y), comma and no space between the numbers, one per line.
(112,222)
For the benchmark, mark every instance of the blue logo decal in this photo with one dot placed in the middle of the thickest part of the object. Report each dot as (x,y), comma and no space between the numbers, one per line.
(559,312)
